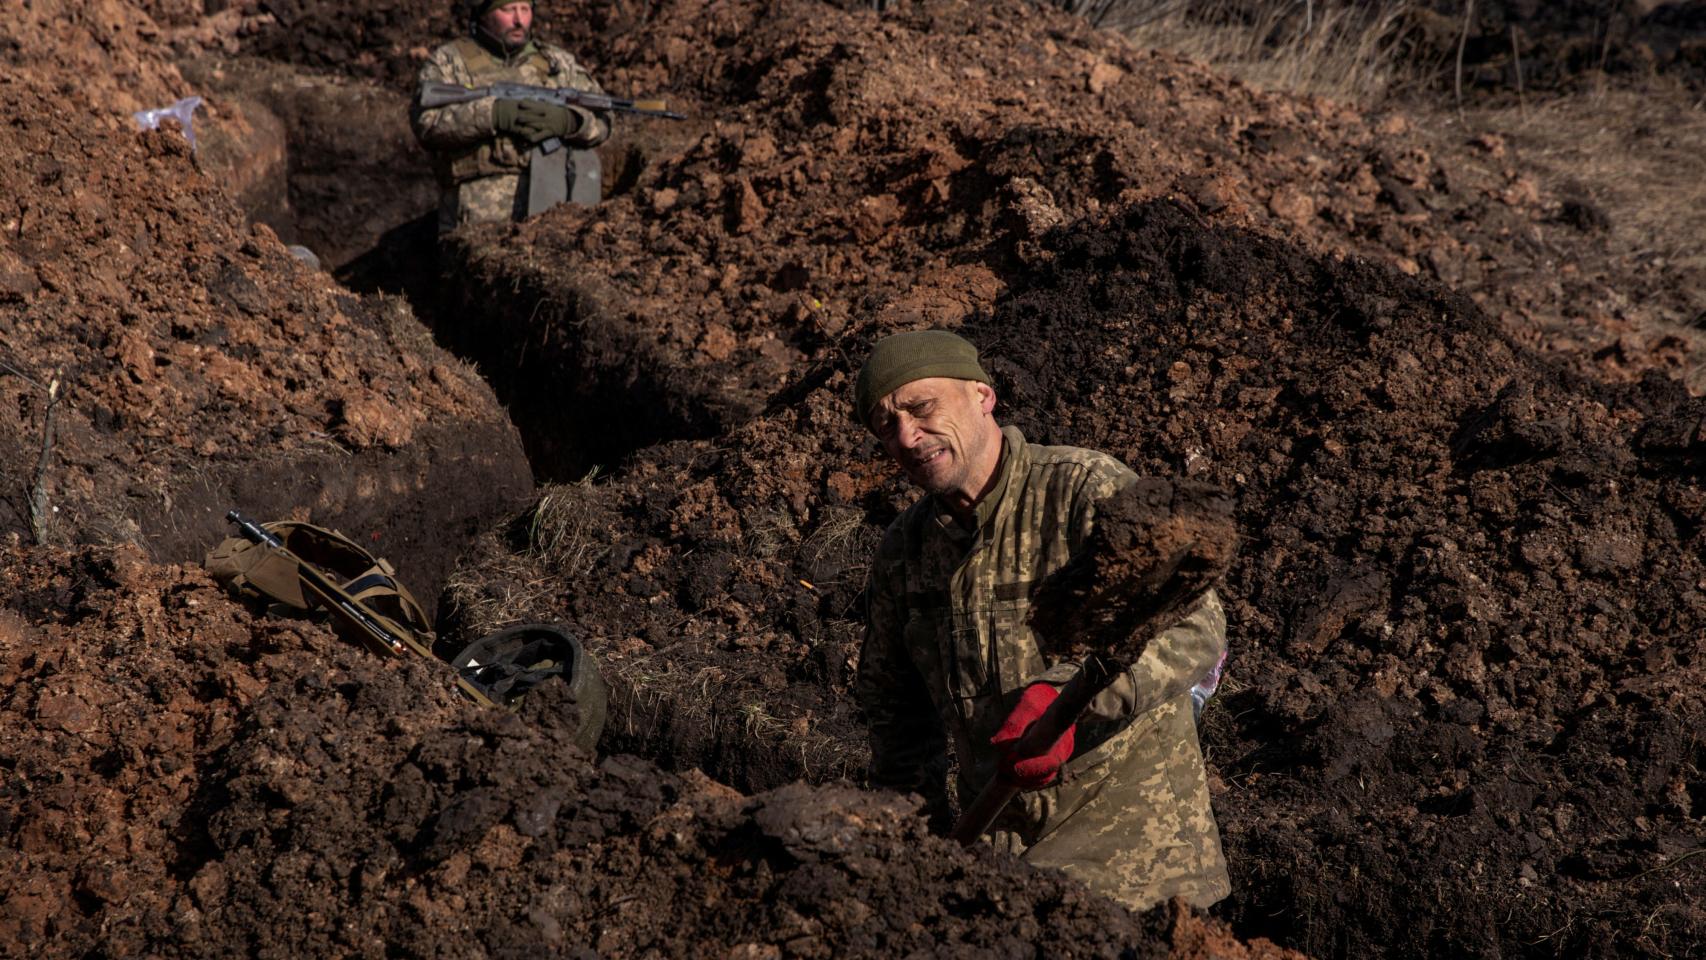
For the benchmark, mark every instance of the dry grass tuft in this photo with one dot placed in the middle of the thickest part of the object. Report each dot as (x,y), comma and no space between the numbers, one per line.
(839,551)
(496,585)
(493,589)
(563,533)
(1346,50)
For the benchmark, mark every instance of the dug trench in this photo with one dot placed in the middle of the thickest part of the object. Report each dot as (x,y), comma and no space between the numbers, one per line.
(1468,613)
(167,362)
(329,163)
(1428,693)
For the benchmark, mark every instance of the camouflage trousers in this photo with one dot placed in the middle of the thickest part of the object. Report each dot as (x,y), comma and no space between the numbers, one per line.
(485,200)
(1141,835)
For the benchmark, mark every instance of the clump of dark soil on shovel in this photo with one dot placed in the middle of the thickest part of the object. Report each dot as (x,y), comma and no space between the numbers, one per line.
(1156,546)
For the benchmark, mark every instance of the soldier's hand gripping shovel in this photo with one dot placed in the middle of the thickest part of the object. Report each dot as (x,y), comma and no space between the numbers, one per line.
(1156,547)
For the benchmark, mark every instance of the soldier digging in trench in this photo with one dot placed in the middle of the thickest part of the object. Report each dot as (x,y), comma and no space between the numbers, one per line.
(483,151)
(1121,801)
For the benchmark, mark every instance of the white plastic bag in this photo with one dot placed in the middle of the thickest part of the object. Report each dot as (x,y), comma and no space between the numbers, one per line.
(183,111)
(1204,688)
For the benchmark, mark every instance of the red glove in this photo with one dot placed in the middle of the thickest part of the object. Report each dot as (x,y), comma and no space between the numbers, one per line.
(1031,773)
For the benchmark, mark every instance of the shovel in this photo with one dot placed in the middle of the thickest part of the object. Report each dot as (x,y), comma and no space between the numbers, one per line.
(1074,699)
(1157,546)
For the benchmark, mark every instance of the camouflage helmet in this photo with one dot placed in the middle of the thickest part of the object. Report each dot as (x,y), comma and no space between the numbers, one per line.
(500,669)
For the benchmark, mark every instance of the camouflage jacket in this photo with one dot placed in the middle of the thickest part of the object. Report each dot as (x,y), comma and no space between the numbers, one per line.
(462,137)
(947,651)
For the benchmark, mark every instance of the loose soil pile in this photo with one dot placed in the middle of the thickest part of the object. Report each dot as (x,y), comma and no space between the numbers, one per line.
(201,367)
(185,779)
(1467,618)
(842,165)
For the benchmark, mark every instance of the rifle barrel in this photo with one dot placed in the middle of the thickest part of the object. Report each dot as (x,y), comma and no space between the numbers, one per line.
(445,94)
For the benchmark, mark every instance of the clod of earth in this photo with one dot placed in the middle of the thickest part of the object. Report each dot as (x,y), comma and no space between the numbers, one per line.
(1155,547)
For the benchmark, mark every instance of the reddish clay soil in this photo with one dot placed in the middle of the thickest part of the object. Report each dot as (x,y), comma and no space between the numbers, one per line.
(1465,699)
(220,784)
(202,368)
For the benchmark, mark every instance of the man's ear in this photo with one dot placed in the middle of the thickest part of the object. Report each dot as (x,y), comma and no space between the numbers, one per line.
(985,396)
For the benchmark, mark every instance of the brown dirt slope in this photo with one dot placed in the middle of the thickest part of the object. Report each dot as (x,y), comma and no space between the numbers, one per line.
(181,778)
(105,54)
(202,367)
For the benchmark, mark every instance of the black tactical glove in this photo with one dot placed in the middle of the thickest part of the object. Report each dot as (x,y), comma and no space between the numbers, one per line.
(536,122)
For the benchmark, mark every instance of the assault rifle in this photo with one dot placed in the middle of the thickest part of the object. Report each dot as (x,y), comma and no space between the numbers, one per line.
(444,94)
(548,179)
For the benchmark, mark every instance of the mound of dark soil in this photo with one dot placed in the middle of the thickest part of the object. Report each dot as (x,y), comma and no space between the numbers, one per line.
(1469,611)
(201,367)
(842,165)
(183,779)
(1467,618)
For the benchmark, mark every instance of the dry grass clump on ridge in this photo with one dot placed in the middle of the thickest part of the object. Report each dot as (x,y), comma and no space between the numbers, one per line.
(561,539)
(1348,51)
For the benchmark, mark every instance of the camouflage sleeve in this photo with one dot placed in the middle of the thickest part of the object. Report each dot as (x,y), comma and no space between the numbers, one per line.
(456,125)
(1183,654)
(571,75)
(1178,658)
(909,749)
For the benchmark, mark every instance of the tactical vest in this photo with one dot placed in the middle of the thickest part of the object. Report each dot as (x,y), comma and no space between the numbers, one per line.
(501,155)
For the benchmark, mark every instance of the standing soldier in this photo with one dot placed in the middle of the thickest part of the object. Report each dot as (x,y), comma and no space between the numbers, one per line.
(488,153)
(1121,800)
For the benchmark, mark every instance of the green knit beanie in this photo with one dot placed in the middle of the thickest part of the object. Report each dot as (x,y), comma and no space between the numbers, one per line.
(899,359)
(479,8)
